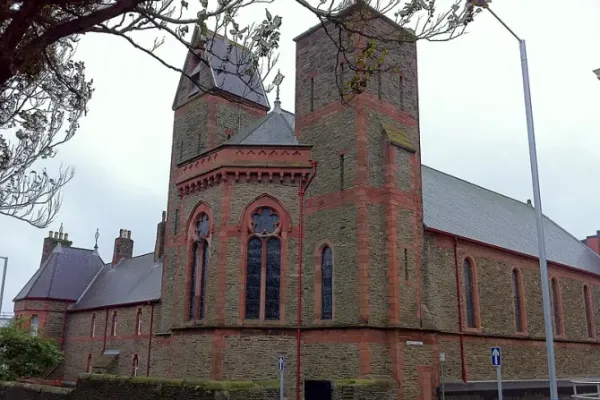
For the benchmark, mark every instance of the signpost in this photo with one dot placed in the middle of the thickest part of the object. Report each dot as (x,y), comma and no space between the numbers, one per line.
(496,353)
(281,366)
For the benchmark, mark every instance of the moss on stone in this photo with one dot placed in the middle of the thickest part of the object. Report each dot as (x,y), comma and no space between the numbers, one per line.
(36,388)
(198,384)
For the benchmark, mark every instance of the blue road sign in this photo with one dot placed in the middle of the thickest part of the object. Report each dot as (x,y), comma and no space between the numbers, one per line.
(496,356)
(281,363)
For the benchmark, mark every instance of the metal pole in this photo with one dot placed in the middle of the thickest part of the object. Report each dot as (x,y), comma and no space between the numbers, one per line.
(442,380)
(499,378)
(540,225)
(538,214)
(280,384)
(3,282)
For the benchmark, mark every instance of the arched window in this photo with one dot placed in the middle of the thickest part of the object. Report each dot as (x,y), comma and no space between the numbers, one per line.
(556,308)
(93,325)
(34,325)
(88,365)
(327,283)
(470,293)
(115,323)
(518,301)
(138,322)
(135,365)
(200,252)
(589,312)
(263,265)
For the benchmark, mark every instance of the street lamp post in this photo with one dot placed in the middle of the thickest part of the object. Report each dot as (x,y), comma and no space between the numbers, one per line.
(539,221)
(3,281)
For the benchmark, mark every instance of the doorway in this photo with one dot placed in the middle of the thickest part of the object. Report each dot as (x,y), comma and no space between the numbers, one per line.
(317,390)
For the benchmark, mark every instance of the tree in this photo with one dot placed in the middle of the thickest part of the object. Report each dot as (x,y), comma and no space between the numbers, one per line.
(37,41)
(23,355)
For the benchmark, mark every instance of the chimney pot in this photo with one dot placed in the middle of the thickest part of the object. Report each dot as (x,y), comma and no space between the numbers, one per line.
(123,246)
(50,235)
(60,236)
(128,234)
(55,235)
(66,236)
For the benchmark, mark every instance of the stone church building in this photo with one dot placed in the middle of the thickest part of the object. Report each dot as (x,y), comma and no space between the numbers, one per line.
(319,236)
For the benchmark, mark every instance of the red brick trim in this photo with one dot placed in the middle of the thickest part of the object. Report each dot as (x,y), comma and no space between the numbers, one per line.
(362,231)
(245,233)
(425,373)
(318,288)
(227,194)
(191,240)
(588,304)
(475,294)
(364,358)
(522,301)
(217,358)
(560,334)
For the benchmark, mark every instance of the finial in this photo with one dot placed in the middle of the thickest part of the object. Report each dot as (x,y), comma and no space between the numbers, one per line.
(97,235)
(277,82)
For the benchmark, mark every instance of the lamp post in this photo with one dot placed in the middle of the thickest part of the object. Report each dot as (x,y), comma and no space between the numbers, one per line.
(3,281)
(539,221)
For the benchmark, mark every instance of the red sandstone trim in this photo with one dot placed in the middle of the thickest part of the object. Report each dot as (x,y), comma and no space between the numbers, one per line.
(105,329)
(392,235)
(217,358)
(475,293)
(150,340)
(227,194)
(589,312)
(362,232)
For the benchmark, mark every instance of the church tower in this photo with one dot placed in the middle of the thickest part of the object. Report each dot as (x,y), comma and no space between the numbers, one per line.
(364,207)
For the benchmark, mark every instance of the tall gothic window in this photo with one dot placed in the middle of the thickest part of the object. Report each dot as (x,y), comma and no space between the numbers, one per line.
(518,300)
(263,266)
(115,323)
(556,308)
(138,322)
(327,283)
(470,293)
(34,325)
(589,312)
(200,251)
(93,326)
(135,365)
(88,365)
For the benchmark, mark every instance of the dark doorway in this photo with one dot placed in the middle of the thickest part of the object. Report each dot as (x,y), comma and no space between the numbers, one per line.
(317,390)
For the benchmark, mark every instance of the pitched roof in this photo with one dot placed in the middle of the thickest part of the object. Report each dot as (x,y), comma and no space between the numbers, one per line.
(464,209)
(133,280)
(64,275)
(275,128)
(227,62)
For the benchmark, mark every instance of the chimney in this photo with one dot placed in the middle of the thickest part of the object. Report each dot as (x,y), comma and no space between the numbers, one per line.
(50,242)
(123,246)
(159,247)
(593,242)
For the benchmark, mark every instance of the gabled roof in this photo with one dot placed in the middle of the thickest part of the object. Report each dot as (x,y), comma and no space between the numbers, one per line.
(226,71)
(275,128)
(464,209)
(133,280)
(64,275)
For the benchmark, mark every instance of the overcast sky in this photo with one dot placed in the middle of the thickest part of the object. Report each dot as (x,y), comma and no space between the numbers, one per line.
(472,124)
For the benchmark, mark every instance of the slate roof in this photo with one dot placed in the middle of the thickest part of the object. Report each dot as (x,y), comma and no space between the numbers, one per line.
(133,280)
(275,128)
(464,209)
(228,63)
(64,275)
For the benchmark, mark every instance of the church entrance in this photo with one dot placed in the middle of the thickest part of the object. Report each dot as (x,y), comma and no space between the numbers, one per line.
(317,390)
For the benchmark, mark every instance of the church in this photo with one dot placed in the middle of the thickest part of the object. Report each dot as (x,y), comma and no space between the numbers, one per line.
(318,236)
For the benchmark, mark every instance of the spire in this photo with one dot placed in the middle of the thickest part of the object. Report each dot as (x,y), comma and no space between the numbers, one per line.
(96,236)
(277,82)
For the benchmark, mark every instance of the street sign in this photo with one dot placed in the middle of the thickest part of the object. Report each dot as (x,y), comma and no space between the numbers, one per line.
(442,356)
(281,363)
(496,353)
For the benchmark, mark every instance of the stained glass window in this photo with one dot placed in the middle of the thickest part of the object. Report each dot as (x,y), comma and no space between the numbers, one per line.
(203,277)
(263,274)
(265,221)
(273,279)
(253,275)
(517,295)
(193,281)
(202,226)
(327,278)
(469,294)
(556,308)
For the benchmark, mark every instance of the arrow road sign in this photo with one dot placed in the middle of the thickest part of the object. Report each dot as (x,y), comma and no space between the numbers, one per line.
(496,356)
(281,363)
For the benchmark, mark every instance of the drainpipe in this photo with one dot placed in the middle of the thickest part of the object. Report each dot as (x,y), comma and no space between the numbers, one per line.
(150,341)
(301,191)
(105,327)
(460,322)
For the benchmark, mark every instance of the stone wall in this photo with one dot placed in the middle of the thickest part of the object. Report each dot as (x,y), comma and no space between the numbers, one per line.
(27,391)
